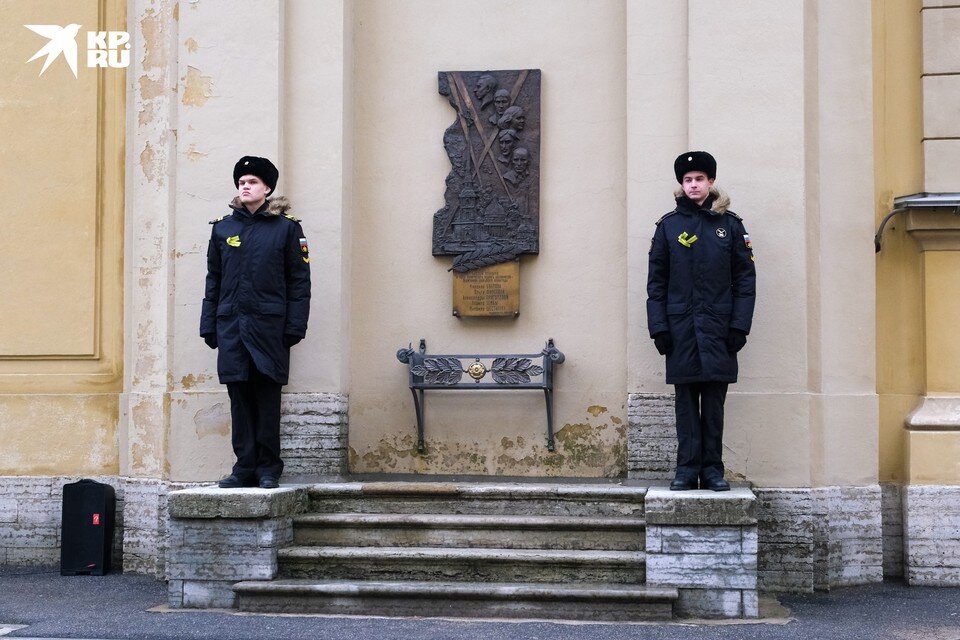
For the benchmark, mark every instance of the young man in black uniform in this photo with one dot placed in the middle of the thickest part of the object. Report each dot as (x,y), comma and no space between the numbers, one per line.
(701,289)
(255,308)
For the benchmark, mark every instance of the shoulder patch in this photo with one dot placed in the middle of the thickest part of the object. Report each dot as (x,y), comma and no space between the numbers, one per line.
(731,213)
(290,217)
(220,218)
(665,216)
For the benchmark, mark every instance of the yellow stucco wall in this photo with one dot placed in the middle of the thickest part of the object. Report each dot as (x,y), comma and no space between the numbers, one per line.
(62,251)
(934,457)
(898,131)
(941,291)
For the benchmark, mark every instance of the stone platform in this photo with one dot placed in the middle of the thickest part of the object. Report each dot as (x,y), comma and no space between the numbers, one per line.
(704,543)
(557,550)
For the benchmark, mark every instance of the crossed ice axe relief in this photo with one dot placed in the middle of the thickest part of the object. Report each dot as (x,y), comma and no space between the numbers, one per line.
(458,90)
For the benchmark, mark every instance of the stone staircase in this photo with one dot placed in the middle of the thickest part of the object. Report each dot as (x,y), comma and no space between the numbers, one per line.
(504,550)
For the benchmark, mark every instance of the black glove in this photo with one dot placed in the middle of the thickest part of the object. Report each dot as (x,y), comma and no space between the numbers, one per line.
(289,340)
(210,339)
(664,343)
(735,340)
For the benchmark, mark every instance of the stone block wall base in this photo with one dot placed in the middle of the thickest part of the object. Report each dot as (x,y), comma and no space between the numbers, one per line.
(891,496)
(819,538)
(717,603)
(931,535)
(30,521)
(785,528)
(313,434)
(651,436)
(201,594)
(848,536)
(705,544)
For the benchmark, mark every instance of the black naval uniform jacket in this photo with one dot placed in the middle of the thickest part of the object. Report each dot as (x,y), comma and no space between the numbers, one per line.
(701,283)
(258,289)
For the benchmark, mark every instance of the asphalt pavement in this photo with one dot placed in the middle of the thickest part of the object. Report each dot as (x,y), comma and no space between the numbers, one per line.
(39,603)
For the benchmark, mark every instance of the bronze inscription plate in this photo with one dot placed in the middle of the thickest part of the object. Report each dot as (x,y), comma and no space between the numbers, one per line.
(488,291)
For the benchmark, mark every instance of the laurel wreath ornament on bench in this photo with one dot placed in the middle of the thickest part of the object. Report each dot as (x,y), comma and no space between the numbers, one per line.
(443,370)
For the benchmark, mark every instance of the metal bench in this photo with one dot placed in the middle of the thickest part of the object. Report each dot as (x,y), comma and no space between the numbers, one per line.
(507,371)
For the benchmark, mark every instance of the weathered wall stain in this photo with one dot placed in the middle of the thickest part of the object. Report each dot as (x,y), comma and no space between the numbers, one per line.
(193,154)
(148,162)
(150,88)
(212,421)
(151,26)
(401,455)
(583,449)
(68,434)
(595,410)
(146,114)
(145,437)
(190,380)
(198,88)
(191,45)
(147,362)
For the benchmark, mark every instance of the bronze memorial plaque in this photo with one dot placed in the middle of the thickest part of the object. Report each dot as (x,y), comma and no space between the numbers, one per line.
(488,291)
(492,210)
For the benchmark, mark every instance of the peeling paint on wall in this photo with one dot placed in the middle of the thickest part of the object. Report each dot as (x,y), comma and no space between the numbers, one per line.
(198,88)
(190,380)
(146,365)
(193,154)
(213,421)
(582,450)
(191,45)
(67,434)
(596,410)
(145,115)
(151,26)
(145,437)
(147,161)
(150,88)
(150,162)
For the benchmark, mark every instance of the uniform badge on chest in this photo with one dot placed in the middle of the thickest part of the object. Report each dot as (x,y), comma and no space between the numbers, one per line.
(721,232)
(686,240)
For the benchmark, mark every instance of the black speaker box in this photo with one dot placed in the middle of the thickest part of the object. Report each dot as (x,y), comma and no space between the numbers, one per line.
(86,541)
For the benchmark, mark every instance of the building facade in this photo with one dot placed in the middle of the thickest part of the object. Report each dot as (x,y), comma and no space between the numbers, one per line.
(845,419)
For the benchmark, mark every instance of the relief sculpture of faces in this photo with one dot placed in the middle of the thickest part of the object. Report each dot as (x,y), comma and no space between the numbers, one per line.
(485,84)
(492,191)
(520,161)
(501,100)
(512,118)
(507,139)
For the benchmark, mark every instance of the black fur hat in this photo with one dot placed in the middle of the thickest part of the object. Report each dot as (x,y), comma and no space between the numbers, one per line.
(254,166)
(695,161)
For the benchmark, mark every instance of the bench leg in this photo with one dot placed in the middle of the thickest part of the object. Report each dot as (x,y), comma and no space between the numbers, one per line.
(418,404)
(548,396)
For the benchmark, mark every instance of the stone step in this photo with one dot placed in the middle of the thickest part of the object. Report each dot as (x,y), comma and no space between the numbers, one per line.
(471,530)
(459,599)
(461,564)
(536,499)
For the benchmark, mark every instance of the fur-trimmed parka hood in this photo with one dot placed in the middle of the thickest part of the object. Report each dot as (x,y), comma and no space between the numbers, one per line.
(721,201)
(275,206)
